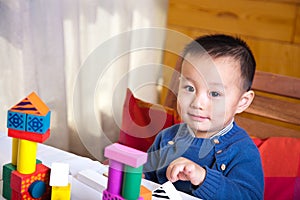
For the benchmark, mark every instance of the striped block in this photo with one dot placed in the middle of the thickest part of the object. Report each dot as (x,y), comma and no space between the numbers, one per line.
(29,115)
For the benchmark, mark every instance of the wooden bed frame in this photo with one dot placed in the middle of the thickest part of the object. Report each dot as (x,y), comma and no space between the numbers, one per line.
(275,110)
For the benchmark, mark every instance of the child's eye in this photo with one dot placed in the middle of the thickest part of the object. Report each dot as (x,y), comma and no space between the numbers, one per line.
(189,88)
(214,94)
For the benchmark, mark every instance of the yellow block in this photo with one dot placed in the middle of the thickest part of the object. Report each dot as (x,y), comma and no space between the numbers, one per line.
(14,154)
(26,163)
(61,192)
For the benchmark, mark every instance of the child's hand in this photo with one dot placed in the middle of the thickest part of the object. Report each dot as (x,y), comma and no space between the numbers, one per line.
(185,170)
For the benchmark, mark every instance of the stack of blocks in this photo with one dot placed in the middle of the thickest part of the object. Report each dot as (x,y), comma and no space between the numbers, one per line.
(59,181)
(25,177)
(125,173)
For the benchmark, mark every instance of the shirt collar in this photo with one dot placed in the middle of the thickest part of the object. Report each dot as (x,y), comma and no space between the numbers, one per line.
(220,133)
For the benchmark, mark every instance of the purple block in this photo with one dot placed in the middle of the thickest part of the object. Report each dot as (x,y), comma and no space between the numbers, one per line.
(108,196)
(115,177)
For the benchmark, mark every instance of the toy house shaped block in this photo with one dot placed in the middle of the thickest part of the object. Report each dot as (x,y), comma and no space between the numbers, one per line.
(30,115)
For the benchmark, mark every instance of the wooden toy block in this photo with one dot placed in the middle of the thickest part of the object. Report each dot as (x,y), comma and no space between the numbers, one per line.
(125,155)
(32,104)
(92,179)
(61,192)
(38,103)
(26,161)
(145,193)
(132,182)
(59,175)
(16,120)
(31,115)
(6,176)
(31,186)
(115,177)
(38,124)
(40,138)
(125,172)
(108,196)
(14,151)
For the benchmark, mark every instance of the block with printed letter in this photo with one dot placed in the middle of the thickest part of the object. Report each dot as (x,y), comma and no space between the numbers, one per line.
(29,115)
(31,186)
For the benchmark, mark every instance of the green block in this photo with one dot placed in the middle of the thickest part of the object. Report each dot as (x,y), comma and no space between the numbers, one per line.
(38,161)
(6,174)
(132,182)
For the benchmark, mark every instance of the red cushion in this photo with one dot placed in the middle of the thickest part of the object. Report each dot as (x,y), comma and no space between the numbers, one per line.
(281,164)
(142,121)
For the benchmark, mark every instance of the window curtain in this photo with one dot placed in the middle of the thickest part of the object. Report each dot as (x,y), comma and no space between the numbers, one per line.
(79,56)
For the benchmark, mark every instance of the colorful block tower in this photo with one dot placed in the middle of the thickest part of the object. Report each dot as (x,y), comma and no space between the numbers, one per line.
(125,172)
(25,177)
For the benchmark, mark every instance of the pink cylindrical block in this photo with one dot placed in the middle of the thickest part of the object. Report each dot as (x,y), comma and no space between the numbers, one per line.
(115,177)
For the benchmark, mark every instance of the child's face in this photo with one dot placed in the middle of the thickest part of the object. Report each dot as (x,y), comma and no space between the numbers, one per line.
(210,94)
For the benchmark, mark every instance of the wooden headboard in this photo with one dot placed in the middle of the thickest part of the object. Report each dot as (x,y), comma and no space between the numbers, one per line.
(275,110)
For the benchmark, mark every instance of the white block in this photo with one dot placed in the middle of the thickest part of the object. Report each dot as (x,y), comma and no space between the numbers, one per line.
(92,179)
(59,175)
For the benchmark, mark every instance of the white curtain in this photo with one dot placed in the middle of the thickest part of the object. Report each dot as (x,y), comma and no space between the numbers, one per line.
(79,56)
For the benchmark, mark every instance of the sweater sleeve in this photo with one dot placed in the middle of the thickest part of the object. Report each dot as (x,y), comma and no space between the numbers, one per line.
(242,179)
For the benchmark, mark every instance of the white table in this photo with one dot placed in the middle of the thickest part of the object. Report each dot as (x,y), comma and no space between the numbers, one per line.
(86,176)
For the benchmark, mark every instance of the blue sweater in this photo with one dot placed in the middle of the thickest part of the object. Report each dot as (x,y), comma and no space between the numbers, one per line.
(232,162)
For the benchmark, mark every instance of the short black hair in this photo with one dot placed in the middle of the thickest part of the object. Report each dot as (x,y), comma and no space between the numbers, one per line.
(220,45)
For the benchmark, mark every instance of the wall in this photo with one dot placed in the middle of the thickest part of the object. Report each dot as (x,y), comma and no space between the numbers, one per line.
(270,27)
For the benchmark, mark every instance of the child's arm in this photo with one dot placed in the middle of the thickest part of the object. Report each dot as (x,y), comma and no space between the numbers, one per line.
(185,170)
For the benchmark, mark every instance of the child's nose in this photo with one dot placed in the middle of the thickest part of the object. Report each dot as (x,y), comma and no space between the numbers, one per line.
(200,101)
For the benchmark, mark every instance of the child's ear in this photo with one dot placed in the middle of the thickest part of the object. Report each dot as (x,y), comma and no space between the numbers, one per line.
(245,101)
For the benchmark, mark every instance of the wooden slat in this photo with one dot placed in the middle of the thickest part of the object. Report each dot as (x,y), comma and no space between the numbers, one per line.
(265,130)
(271,56)
(297,27)
(276,57)
(269,20)
(275,109)
(277,84)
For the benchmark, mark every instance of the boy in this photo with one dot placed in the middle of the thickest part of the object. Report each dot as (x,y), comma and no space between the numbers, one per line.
(208,155)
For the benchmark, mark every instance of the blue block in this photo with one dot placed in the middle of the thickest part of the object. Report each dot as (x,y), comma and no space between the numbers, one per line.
(37,189)
(38,124)
(16,120)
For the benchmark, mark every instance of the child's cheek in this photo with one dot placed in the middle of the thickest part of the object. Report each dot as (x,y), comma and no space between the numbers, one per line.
(183,102)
